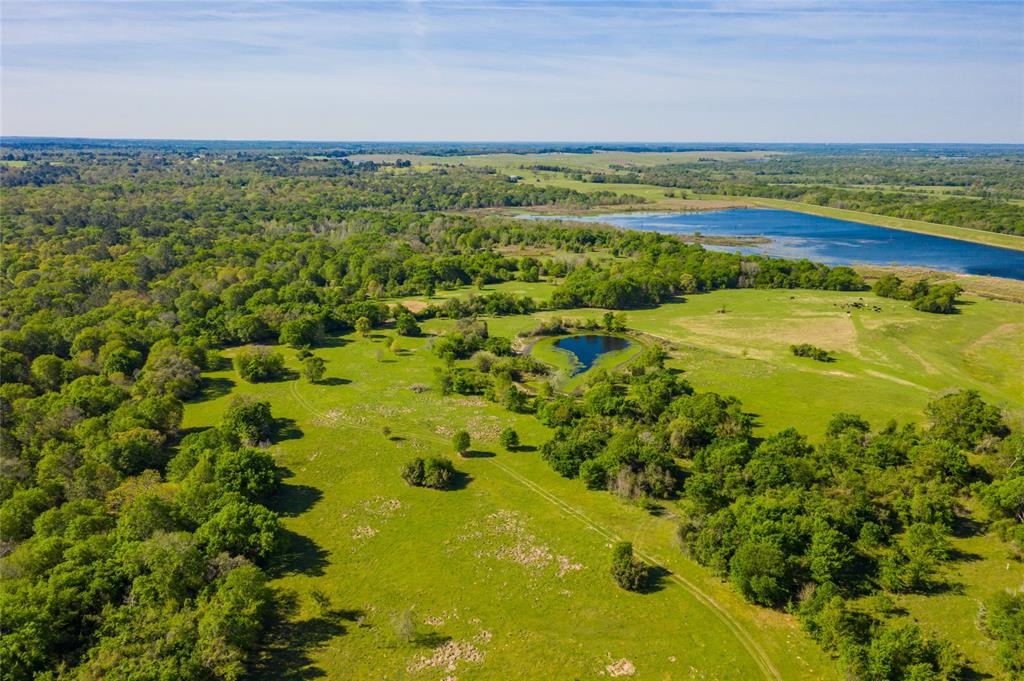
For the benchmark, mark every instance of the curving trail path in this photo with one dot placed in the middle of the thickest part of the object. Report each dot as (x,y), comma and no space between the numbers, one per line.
(756,652)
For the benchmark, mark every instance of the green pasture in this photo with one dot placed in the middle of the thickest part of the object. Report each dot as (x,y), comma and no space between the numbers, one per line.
(888,363)
(509,570)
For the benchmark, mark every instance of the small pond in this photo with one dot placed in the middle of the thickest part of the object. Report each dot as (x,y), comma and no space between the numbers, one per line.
(588,348)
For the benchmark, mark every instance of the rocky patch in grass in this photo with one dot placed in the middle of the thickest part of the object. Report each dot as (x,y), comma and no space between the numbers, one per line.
(503,536)
(621,667)
(447,657)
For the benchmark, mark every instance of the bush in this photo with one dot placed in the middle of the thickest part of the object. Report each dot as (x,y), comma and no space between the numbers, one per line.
(258,364)
(435,472)
(405,325)
(1004,622)
(509,439)
(758,571)
(461,442)
(629,573)
(811,351)
(313,368)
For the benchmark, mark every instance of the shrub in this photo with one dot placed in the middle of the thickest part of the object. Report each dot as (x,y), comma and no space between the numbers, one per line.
(629,573)
(435,472)
(509,439)
(313,368)
(461,442)
(405,325)
(811,351)
(258,364)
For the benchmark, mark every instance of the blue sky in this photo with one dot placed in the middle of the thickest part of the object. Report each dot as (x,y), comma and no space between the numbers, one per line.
(773,71)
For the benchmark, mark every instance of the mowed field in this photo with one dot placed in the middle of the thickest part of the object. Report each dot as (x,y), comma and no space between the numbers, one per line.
(506,576)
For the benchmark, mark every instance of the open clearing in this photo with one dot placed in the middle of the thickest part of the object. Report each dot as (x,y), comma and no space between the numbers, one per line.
(509,570)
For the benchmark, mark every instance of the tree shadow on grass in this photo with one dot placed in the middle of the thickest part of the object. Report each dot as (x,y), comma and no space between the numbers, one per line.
(286,429)
(524,448)
(284,376)
(300,556)
(943,586)
(458,480)
(655,582)
(333,380)
(969,673)
(430,639)
(213,388)
(286,654)
(958,556)
(333,342)
(965,526)
(293,500)
(477,454)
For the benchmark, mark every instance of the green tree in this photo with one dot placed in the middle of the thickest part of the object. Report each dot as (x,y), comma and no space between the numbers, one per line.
(509,439)
(313,368)
(243,528)
(304,331)
(48,372)
(758,571)
(231,621)
(251,473)
(1004,623)
(258,364)
(964,419)
(363,326)
(405,324)
(629,573)
(248,421)
(461,442)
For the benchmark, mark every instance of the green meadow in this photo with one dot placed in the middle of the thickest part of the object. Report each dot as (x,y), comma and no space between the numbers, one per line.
(509,570)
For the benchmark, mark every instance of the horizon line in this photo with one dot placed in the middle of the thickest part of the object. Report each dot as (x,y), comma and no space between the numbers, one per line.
(587,142)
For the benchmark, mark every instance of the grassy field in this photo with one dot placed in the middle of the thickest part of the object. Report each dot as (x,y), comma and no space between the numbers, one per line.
(889,361)
(509,570)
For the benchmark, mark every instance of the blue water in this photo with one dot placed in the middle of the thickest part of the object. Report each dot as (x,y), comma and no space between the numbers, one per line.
(588,348)
(829,241)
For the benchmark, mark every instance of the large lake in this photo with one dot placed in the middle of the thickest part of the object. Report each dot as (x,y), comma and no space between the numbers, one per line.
(827,240)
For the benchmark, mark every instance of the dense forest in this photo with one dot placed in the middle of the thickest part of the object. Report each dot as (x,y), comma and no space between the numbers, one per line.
(132,549)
